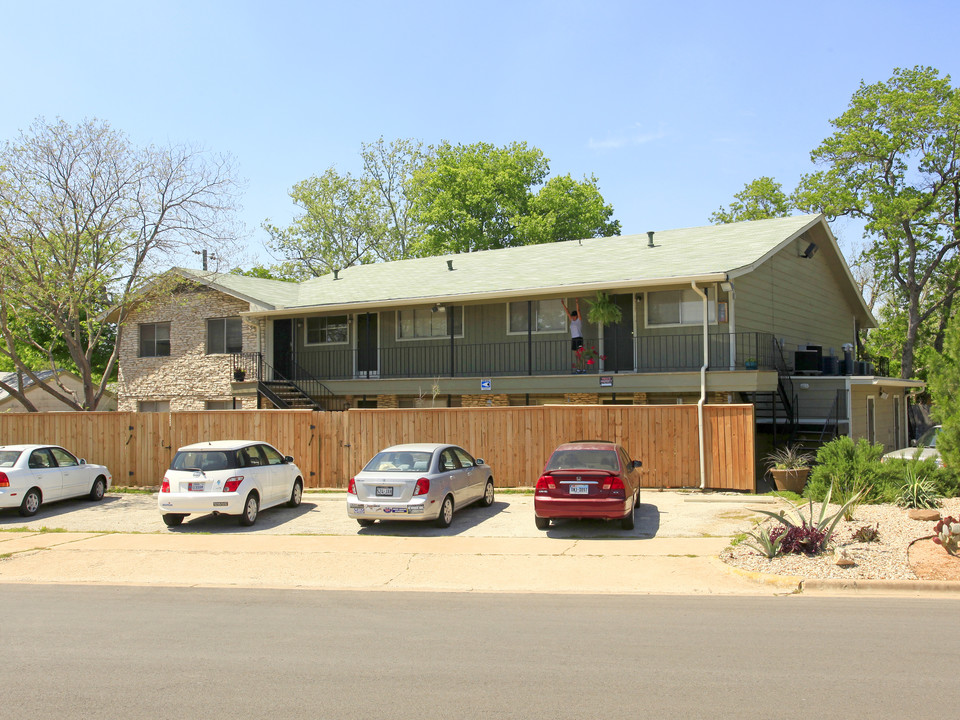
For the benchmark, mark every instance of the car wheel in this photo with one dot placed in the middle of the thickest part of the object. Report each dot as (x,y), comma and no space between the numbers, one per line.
(487,499)
(446,512)
(297,495)
(31,503)
(172,519)
(542,523)
(251,507)
(629,522)
(366,522)
(98,489)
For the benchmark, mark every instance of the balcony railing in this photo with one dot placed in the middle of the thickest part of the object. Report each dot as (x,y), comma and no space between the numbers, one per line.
(649,354)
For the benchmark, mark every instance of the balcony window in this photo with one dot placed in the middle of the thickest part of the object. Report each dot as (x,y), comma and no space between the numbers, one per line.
(155,340)
(671,308)
(418,323)
(224,335)
(548,317)
(326,330)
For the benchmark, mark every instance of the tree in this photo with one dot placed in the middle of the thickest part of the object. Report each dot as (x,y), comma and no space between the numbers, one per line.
(760,199)
(86,220)
(481,197)
(349,220)
(894,162)
(943,384)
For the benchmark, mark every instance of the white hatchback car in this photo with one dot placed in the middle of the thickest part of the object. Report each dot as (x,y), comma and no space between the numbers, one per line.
(230,477)
(34,474)
(418,482)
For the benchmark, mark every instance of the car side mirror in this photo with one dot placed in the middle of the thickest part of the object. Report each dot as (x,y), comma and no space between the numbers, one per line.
(288,458)
(479,461)
(637,463)
(82,461)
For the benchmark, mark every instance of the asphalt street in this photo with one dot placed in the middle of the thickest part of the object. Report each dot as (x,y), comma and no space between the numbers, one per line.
(126,652)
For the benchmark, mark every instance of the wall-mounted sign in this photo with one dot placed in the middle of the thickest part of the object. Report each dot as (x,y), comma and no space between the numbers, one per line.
(486,385)
(606,381)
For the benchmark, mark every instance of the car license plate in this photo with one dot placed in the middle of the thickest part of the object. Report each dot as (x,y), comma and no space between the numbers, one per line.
(579,489)
(384,491)
(195,487)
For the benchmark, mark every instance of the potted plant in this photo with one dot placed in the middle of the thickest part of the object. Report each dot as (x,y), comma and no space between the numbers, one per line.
(239,374)
(789,466)
(603,310)
(750,363)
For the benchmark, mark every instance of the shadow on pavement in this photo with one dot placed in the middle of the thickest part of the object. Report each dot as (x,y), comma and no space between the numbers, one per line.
(230,524)
(646,527)
(12,517)
(463,520)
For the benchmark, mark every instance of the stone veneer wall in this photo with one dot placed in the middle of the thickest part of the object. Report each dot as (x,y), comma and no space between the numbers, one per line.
(388,401)
(582,398)
(484,400)
(188,377)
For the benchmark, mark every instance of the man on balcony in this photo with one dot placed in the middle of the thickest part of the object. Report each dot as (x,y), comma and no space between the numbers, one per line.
(576,336)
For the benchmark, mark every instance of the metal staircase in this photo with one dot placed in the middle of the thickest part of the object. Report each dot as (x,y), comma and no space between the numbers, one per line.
(302,391)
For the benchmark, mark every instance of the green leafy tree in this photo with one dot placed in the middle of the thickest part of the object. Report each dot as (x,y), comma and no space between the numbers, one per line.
(483,197)
(894,162)
(760,199)
(347,220)
(86,220)
(943,384)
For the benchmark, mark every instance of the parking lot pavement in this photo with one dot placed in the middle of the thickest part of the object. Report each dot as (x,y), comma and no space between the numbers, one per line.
(663,514)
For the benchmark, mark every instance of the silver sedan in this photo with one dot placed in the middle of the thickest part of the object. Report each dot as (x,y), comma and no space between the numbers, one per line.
(418,482)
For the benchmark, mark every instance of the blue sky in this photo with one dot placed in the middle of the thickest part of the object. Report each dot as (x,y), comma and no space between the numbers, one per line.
(673,106)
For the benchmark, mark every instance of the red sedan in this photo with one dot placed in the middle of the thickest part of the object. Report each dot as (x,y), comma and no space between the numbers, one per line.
(589,479)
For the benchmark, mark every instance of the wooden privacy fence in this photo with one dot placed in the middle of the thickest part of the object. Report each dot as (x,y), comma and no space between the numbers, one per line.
(331,447)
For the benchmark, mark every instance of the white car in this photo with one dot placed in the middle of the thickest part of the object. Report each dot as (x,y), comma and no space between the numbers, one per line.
(424,481)
(229,477)
(31,475)
(924,449)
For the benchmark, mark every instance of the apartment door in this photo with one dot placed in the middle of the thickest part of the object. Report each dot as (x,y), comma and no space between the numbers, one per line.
(283,347)
(367,345)
(618,338)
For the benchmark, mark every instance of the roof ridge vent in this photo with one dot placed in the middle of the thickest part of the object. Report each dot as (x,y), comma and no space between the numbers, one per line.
(336,274)
(449,264)
(650,238)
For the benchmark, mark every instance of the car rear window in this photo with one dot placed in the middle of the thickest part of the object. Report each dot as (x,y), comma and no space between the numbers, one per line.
(399,461)
(8,457)
(206,460)
(584,460)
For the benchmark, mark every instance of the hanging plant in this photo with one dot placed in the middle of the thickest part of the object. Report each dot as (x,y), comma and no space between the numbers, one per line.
(603,311)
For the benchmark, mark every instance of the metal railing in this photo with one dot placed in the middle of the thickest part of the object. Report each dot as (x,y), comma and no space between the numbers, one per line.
(654,353)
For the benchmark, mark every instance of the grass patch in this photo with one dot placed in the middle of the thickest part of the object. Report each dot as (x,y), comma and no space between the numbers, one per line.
(131,491)
(24,528)
(737,539)
(787,495)
(515,491)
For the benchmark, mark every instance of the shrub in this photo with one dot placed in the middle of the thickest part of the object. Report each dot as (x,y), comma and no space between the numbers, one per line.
(789,457)
(800,539)
(849,467)
(765,540)
(948,534)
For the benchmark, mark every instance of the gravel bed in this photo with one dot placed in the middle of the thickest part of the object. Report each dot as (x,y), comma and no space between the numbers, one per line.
(882,560)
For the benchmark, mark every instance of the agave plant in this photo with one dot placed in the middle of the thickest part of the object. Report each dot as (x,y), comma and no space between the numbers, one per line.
(765,540)
(918,491)
(821,529)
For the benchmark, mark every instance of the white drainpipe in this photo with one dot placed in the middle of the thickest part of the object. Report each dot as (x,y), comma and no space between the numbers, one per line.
(703,383)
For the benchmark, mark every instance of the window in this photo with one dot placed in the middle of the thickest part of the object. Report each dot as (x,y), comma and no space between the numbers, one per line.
(273,457)
(871,419)
(548,317)
(220,404)
(897,439)
(224,335)
(419,323)
(41,459)
(63,458)
(324,330)
(153,406)
(448,461)
(679,307)
(155,340)
(466,460)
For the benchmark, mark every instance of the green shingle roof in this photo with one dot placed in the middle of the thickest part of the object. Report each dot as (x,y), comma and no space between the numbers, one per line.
(621,260)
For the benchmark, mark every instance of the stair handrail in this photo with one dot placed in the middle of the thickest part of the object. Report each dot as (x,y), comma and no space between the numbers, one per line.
(785,386)
(323,398)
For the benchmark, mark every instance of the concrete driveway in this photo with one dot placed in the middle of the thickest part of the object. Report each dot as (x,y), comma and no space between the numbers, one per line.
(663,514)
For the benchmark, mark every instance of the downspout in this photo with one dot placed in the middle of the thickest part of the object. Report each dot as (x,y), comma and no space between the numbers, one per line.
(703,383)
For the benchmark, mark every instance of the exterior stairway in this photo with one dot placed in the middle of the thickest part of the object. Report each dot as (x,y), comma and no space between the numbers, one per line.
(287,395)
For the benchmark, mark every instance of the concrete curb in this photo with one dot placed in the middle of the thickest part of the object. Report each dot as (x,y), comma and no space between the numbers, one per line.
(881,586)
(790,583)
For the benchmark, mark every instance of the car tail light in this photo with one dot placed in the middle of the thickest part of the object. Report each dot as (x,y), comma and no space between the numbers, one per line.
(615,485)
(545,483)
(4,480)
(422,487)
(352,487)
(165,486)
(233,483)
